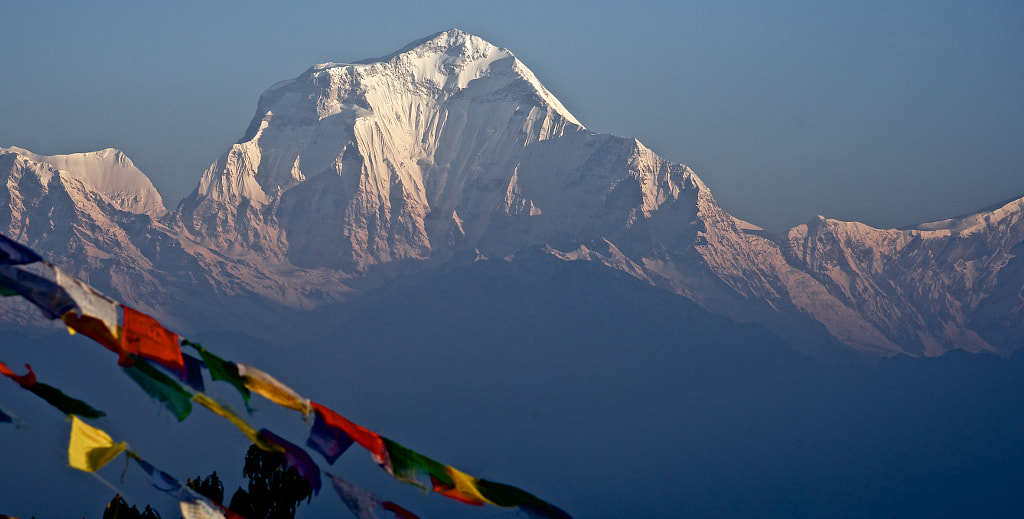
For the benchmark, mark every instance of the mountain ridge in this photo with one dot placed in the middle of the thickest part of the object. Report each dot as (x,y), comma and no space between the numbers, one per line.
(350,175)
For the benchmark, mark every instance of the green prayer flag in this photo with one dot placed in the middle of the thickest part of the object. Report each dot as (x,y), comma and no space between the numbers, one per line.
(66,404)
(161,387)
(221,369)
(509,496)
(407,463)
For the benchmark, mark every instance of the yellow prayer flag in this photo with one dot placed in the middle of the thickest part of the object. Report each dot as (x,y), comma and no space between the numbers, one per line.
(466,485)
(263,384)
(90,448)
(253,435)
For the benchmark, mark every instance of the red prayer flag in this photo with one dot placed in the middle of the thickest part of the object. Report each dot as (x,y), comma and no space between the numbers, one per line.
(147,338)
(398,511)
(94,329)
(369,440)
(27,380)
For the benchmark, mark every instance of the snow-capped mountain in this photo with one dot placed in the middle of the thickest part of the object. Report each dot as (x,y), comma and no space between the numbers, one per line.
(451,150)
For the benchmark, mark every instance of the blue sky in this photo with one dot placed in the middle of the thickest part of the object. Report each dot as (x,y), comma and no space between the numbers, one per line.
(889,113)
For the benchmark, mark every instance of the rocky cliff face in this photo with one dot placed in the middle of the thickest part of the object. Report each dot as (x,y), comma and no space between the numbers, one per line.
(450,149)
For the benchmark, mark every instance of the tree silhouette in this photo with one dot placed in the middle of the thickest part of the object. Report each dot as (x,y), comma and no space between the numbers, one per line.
(274,492)
(210,486)
(118,508)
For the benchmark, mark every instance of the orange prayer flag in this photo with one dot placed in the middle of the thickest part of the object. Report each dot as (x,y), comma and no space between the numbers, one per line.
(147,338)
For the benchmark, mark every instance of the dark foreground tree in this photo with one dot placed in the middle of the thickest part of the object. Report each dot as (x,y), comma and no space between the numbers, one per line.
(210,486)
(274,492)
(118,508)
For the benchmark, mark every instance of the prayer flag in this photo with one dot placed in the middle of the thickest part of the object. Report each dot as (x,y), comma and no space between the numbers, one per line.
(399,512)
(193,375)
(361,502)
(297,459)
(369,440)
(249,432)
(90,448)
(364,503)
(89,302)
(221,369)
(161,387)
(464,488)
(329,440)
(48,296)
(24,381)
(52,395)
(5,418)
(147,338)
(263,384)
(94,329)
(199,509)
(406,464)
(66,404)
(509,496)
(163,481)
(14,253)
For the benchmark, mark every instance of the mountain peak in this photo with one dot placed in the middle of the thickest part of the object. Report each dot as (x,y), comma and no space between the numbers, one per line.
(108,171)
(442,42)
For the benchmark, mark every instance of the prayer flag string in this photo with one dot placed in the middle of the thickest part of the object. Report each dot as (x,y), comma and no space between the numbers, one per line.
(140,339)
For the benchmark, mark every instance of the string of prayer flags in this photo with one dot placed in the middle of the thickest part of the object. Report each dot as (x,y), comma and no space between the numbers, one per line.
(221,369)
(140,336)
(363,503)
(246,429)
(49,297)
(297,459)
(336,433)
(147,338)
(332,433)
(14,253)
(161,387)
(263,384)
(90,448)
(52,395)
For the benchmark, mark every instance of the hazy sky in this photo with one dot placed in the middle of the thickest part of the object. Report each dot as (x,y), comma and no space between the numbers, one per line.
(889,113)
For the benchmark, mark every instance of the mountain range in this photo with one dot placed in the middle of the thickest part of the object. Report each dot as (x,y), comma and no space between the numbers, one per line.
(449,152)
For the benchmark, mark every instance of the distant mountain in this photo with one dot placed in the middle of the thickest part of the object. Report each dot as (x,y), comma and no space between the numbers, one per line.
(449,151)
